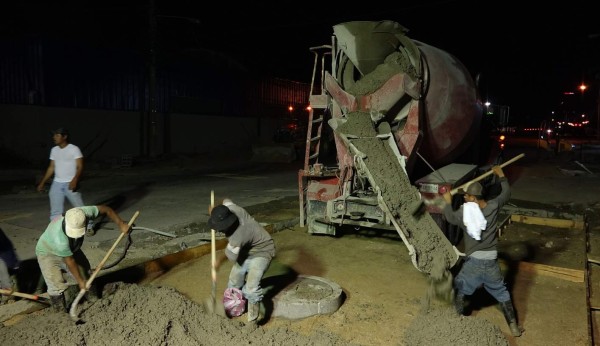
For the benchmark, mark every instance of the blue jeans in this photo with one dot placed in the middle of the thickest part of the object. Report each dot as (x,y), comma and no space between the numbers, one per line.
(58,193)
(247,277)
(476,272)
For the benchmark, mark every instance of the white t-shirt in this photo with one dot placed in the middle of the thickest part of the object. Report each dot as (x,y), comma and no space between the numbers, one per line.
(65,164)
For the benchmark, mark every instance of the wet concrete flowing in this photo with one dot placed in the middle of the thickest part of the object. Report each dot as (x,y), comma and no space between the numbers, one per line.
(434,254)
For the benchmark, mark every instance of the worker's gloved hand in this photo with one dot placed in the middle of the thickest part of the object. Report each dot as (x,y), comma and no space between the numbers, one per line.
(457,252)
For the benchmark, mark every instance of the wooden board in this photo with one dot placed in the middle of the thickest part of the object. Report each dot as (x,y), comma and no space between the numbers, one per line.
(544,221)
(573,275)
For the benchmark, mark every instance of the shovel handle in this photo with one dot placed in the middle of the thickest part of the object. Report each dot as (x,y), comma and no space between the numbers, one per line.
(88,284)
(19,294)
(213,255)
(455,190)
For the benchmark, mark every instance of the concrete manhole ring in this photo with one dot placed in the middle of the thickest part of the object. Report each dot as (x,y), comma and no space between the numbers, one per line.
(307,296)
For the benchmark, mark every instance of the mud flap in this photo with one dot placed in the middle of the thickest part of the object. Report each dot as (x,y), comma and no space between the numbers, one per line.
(315,209)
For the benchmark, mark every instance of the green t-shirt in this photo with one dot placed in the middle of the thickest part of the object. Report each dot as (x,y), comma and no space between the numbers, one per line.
(54,241)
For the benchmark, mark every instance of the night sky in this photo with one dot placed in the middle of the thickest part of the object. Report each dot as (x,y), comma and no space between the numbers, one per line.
(527,55)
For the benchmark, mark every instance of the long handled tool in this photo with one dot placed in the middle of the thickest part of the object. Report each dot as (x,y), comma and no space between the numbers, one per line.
(88,284)
(421,203)
(24,295)
(213,259)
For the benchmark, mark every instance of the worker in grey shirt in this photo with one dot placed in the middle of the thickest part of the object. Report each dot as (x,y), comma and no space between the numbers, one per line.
(481,264)
(249,246)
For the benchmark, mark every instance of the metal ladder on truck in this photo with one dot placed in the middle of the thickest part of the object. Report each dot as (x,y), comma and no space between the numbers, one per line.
(318,101)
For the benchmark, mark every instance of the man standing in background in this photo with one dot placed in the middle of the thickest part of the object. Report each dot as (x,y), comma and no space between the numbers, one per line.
(66,165)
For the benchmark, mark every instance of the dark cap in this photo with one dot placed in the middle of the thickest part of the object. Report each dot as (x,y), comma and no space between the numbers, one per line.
(221,218)
(61,131)
(474,189)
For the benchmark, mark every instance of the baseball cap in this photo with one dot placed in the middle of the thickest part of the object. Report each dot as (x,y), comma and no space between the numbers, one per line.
(221,218)
(75,223)
(474,189)
(61,131)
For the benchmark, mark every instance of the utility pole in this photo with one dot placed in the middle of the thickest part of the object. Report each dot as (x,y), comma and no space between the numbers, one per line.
(150,116)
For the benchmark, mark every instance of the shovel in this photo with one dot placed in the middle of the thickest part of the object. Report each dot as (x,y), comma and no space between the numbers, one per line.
(421,203)
(211,304)
(24,295)
(88,284)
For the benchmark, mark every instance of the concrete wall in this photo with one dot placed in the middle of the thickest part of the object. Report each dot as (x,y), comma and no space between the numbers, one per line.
(106,136)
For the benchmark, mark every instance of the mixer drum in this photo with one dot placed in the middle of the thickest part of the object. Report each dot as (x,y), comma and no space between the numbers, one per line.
(445,103)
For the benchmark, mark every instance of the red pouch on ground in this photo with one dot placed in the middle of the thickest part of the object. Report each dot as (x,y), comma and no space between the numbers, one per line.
(234,302)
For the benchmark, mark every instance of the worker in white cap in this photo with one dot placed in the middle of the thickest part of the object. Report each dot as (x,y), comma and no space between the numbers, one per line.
(58,250)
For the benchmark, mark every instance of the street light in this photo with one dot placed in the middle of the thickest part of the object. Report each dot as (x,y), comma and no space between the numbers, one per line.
(583,88)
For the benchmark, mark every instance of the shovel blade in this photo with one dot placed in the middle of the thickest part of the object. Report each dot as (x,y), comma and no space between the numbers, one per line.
(73,310)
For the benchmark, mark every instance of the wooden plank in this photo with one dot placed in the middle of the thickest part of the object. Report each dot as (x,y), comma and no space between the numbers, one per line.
(573,275)
(545,221)
(165,263)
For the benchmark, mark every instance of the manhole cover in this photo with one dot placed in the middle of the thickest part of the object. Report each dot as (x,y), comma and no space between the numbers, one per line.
(307,296)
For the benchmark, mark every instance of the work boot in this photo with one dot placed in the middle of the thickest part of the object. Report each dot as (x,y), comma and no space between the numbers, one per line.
(58,303)
(253,309)
(459,303)
(511,317)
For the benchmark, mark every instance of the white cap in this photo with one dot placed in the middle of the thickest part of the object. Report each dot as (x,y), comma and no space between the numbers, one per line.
(75,223)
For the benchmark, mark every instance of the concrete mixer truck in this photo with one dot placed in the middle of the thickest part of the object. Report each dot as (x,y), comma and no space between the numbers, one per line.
(405,120)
